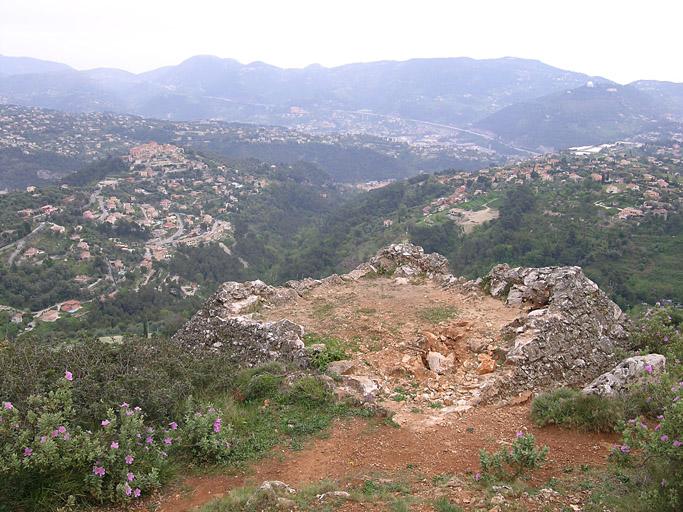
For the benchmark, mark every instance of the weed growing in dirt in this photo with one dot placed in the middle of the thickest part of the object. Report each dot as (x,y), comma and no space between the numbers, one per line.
(509,464)
(437,314)
(334,350)
(322,310)
(572,409)
(444,505)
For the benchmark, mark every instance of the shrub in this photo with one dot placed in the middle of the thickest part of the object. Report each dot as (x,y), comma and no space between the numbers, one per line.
(310,392)
(509,464)
(335,350)
(47,459)
(154,374)
(659,331)
(657,454)
(262,386)
(204,435)
(570,408)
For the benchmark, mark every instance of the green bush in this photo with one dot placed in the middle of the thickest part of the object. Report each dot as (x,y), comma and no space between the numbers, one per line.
(657,454)
(659,331)
(204,435)
(335,350)
(154,374)
(47,459)
(309,392)
(509,464)
(572,409)
(262,386)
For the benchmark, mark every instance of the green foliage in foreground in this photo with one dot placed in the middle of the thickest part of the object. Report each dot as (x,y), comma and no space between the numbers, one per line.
(508,464)
(572,409)
(334,350)
(70,444)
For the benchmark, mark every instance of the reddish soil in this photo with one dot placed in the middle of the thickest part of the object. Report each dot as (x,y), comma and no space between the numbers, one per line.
(389,326)
(357,449)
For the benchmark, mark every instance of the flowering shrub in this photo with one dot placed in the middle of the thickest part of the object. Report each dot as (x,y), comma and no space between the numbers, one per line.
(47,459)
(659,331)
(509,464)
(205,436)
(657,451)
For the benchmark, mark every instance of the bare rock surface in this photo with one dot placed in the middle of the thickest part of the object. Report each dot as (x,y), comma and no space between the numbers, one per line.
(570,333)
(628,372)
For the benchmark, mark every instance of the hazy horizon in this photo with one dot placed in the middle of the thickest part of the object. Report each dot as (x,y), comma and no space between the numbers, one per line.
(611,39)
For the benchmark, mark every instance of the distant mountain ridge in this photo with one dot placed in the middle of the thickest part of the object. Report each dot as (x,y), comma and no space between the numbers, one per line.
(519,101)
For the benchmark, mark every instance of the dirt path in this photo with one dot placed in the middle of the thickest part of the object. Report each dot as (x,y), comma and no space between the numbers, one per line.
(357,450)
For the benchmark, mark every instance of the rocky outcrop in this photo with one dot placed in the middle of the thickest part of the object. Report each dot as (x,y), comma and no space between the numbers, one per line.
(627,373)
(570,331)
(408,260)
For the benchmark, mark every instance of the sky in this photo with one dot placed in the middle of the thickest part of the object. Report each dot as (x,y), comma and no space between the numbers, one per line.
(621,40)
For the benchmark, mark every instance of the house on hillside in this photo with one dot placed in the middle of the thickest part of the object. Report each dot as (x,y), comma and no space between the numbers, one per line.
(70,306)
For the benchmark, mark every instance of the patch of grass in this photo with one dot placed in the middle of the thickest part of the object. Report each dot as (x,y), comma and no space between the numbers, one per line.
(572,409)
(444,505)
(437,314)
(323,310)
(335,350)
(366,311)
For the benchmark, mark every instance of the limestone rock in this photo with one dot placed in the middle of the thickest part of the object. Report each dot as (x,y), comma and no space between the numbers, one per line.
(358,386)
(439,363)
(570,333)
(628,372)
(343,367)
(408,260)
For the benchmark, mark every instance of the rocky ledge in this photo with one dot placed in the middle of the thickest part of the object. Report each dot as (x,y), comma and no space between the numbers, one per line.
(570,332)
(567,332)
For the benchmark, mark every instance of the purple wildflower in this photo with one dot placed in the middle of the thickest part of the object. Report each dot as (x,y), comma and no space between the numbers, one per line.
(99,471)
(625,448)
(664,438)
(105,423)
(648,368)
(217,425)
(173,425)
(68,375)
(7,406)
(130,476)
(43,439)
(519,434)
(27,452)
(124,405)
(127,489)
(149,440)
(129,459)
(137,492)
(114,445)
(168,441)
(677,443)
(66,436)
(61,429)
(658,426)
(477,476)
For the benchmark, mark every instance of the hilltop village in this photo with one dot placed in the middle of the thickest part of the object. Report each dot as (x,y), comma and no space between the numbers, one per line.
(634,179)
(166,199)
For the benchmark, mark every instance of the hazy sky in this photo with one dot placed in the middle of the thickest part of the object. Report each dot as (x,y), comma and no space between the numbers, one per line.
(621,40)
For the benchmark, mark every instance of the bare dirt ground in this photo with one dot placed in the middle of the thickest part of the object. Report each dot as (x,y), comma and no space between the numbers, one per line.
(358,450)
(469,219)
(389,325)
